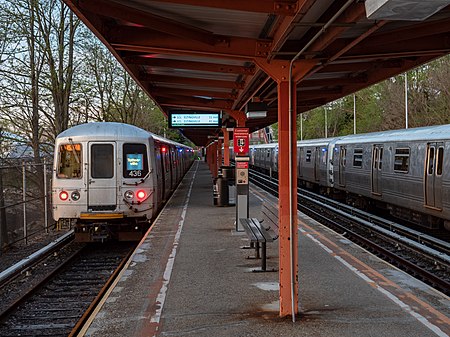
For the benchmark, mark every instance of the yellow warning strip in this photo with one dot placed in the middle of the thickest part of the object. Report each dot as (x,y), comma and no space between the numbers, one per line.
(97,216)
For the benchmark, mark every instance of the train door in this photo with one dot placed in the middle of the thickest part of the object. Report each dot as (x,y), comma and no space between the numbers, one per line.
(301,155)
(377,161)
(433,175)
(102,184)
(159,173)
(165,159)
(342,162)
(317,163)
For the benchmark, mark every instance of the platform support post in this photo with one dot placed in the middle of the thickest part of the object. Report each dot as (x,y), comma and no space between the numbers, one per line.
(214,159)
(219,153)
(287,201)
(226,147)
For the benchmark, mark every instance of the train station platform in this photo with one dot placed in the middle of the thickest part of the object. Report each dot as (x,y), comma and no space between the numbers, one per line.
(190,277)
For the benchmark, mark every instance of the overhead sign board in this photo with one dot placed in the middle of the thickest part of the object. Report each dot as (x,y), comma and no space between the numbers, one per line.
(241,141)
(194,119)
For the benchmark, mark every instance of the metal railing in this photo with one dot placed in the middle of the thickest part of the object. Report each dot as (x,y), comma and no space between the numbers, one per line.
(24,199)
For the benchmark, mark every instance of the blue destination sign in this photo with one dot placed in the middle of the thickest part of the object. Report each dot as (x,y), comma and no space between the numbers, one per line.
(194,119)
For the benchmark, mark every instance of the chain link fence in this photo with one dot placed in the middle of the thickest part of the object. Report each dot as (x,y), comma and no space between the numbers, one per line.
(25,199)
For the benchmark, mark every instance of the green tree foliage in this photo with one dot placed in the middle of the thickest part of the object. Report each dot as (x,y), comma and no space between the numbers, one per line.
(382,106)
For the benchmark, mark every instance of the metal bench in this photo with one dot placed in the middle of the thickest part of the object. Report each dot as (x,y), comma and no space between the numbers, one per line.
(261,232)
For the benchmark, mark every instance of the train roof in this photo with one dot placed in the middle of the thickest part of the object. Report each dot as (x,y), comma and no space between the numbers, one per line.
(437,132)
(103,130)
(263,146)
(106,130)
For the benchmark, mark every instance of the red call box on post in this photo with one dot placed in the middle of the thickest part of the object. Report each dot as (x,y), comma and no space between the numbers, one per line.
(241,141)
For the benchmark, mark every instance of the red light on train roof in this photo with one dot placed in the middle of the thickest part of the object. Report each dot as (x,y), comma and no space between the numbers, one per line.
(164,149)
(64,195)
(141,195)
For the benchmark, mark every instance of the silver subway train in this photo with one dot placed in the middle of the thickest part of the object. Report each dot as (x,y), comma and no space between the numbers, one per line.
(402,172)
(111,179)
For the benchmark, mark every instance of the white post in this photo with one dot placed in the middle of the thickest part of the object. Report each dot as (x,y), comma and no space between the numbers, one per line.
(406,100)
(326,123)
(301,127)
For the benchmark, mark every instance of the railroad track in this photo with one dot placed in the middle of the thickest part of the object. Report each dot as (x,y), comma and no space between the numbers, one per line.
(59,304)
(422,255)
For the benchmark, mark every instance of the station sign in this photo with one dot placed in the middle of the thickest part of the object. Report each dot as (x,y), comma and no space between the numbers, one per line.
(241,141)
(194,119)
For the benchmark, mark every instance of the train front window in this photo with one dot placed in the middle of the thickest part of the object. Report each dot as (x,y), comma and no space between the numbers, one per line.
(135,161)
(102,161)
(69,161)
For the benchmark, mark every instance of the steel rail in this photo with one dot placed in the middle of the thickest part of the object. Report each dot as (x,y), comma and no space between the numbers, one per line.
(9,274)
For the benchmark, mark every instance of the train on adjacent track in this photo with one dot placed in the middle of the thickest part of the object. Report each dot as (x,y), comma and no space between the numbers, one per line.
(111,179)
(405,173)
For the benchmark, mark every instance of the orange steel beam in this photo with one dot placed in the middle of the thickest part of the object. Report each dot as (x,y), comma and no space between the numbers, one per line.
(282,7)
(352,14)
(147,41)
(193,82)
(286,24)
(196,103)
(169,92)
(288,263)
(333,81)
(144,19)
(181,64)
(239,116)
(279,70)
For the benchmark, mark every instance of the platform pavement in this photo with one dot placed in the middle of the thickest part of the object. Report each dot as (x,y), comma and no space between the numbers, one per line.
(190,277)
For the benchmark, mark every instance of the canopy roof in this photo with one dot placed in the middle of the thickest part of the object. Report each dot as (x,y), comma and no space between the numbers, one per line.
(211,54)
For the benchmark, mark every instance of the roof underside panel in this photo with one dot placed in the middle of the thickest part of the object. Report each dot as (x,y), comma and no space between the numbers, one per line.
(206,54)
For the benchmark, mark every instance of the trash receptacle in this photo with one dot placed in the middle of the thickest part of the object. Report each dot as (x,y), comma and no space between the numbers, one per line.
(228,173)
(222,191)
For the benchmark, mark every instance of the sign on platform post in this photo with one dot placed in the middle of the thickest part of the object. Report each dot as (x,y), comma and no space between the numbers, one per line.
(241,150)
(241,142)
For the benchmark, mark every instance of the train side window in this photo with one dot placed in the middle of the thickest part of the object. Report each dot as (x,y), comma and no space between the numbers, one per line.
(380,162)
(135,160)
(102,161)
(308,156)
(357,157)
(401,160)
(375,158)
(69,161)
(431,160)
(440,161)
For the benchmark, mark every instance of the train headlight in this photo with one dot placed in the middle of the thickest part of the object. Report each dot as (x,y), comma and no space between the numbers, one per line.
(63,195)
(75,195)
(141,195)
(128,195)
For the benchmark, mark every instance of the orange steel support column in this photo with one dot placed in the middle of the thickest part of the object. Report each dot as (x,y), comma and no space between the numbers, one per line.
(287,178)
(214,159)
(226,147)
(219,153)
(288,277)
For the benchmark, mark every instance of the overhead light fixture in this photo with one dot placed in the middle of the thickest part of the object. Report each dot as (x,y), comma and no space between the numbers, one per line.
(256,110)
(408,10)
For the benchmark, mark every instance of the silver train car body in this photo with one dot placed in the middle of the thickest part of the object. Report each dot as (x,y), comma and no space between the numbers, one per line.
(404,172)
(111,179)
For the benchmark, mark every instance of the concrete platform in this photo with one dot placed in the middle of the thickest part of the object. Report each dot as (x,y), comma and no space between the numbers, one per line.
(190,277)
